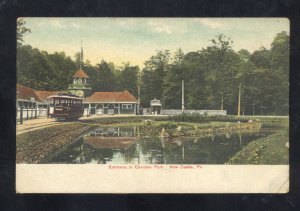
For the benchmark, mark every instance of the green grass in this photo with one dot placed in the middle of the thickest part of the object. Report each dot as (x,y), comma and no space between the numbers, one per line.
(267,151)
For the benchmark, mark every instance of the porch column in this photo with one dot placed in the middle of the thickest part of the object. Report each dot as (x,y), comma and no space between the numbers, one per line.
(119,109)
(134,109)
(89,109)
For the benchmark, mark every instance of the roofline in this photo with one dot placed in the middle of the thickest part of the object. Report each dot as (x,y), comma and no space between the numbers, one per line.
(20,99)
(108,102)
(61,96)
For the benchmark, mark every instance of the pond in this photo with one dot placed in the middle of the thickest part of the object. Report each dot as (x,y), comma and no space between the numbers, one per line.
(125,145)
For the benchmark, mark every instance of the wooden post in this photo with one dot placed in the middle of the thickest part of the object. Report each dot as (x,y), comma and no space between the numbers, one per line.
(27,114)
(134,108)
(21,115)
(239,102)
(222,103)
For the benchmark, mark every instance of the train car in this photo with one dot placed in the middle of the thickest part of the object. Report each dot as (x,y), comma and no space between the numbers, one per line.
(65,106)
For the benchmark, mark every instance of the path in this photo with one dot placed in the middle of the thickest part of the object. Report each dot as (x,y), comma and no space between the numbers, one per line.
(35,124)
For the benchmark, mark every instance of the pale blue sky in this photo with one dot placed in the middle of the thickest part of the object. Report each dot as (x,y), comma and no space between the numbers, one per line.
(136,39)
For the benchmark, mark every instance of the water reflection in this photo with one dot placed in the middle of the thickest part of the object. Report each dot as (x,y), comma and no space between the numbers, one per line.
(123,145)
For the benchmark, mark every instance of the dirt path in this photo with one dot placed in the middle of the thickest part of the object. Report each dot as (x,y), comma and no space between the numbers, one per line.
(36,124)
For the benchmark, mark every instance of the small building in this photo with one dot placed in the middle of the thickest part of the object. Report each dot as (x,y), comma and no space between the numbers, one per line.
(155,107)
(26,97)
(110,103)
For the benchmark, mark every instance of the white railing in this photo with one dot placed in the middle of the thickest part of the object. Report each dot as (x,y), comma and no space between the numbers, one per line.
(201,112)
(25,114)
(30,113)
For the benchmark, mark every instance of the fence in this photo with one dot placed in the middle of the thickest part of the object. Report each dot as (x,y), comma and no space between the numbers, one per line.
(30,113)
(26,113)
(201,112)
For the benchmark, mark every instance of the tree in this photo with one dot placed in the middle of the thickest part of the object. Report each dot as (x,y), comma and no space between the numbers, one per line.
(221,65)
(42,71)
(153,76)
(173,80)
(129,78)
(280,48)
(261,58)
(21,31)
(244,54)
(105,78)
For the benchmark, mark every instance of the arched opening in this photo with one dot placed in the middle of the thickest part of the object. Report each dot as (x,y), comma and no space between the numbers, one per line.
(110,109)
(99,109)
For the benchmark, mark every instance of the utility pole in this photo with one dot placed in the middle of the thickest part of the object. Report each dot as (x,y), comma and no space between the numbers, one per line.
(253,108)
(239,102)
(182,95)
(139,92)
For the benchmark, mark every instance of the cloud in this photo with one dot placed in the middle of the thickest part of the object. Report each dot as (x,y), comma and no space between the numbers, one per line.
(165,27)
(55,23)
(211,23)
(157,26)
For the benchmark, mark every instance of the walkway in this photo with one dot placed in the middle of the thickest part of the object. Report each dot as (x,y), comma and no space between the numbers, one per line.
(35,124)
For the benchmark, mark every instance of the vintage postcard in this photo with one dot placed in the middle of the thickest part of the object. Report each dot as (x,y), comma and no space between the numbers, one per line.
(152,105)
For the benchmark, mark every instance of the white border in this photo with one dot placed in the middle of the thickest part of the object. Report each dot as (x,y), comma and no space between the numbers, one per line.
(93,178)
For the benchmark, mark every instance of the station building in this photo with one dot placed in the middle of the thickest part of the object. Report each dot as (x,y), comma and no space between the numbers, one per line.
(26,97)
(95,103)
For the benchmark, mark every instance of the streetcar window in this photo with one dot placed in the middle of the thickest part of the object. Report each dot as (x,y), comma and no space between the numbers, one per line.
(56,101)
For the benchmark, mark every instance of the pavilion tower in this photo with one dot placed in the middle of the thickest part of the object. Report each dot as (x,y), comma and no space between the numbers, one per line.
(80,85)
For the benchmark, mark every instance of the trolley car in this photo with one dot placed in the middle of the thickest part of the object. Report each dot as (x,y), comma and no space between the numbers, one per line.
(65,106)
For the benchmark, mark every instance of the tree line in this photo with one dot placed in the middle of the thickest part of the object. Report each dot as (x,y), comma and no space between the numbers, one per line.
(212,75)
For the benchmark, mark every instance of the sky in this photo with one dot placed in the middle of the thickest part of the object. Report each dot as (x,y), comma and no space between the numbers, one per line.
(135,40)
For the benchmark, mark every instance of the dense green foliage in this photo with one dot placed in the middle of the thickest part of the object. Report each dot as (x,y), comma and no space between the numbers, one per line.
(211,75)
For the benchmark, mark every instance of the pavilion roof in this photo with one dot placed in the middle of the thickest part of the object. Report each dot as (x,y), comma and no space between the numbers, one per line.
(42,94)
(80,74)
(111,97)
(26,93)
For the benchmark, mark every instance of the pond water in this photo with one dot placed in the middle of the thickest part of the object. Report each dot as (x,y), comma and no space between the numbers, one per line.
(124,145)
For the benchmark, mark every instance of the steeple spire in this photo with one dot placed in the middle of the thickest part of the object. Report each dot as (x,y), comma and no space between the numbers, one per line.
(81,55)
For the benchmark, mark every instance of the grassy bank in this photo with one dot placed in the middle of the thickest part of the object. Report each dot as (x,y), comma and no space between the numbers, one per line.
(34,146)
(269,150)
(191,118)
